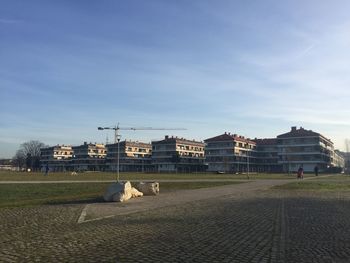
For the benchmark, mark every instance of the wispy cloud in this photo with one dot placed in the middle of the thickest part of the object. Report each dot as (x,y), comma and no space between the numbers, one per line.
(9,21)
(207,67)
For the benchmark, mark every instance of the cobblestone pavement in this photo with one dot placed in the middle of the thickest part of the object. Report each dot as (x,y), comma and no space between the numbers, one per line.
(97,211)
(264,226)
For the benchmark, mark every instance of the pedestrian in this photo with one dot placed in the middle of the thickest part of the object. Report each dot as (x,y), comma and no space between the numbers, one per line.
(300,173)
(47,170)
(316,170)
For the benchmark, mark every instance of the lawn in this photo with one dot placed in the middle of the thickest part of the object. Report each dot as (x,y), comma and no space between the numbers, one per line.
(336,177)
(34,176)
(21,195)
(317,185)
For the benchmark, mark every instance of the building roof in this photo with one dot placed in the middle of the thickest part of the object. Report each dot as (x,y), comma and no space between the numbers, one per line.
(88,145)
(266,141)
(229,137)
(173,139)
(294,132)
(130,144)
(56,147)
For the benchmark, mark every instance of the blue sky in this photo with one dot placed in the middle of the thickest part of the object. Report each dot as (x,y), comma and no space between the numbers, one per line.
(249,67)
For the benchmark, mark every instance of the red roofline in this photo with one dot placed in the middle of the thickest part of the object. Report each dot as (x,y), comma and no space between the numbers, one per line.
(229,137)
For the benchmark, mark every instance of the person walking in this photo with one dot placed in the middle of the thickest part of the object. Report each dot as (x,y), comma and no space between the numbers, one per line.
(316,170)
(300,173)
(47,170)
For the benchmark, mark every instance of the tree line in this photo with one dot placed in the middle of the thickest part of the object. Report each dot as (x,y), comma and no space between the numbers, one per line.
(28,155)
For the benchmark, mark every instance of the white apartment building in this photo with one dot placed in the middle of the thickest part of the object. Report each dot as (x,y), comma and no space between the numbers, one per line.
(57,158)
(175,154)
(267,155)
(230,153)
(338,160)
(88,157)
(305,148)
(227,152)
(133,156)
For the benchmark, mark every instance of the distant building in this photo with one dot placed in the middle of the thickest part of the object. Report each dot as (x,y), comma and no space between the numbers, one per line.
(57,158)
(133,157)
(338,160)
(346,156)
(227,152)
(8,165)
(175,154)
(306,148)
(230,153)
(88,157)
(267,155)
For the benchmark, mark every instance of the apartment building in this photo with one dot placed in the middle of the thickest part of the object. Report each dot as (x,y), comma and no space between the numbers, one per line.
(57,158)
(227,152)
(175,154)
(338,160)
(133,156)
(88,157)
(230,153)
(305,148)
(267,155)
(346,157)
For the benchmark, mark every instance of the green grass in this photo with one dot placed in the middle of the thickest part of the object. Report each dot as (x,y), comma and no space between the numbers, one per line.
(336,177)
(21,195)
(24,176)
(319,185)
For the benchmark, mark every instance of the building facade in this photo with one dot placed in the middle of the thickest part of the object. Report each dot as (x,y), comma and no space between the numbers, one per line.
(298,148)
(230,153)
(267,155)
(175,154)
(304,148)
(88,157)
(338,160)
(227,152)
(133,157)
(56,158)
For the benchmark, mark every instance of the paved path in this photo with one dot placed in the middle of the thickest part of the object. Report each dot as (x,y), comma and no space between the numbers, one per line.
(251,226)
(99,211)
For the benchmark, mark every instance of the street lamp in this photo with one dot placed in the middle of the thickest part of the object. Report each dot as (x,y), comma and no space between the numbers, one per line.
(117,137)
(248,164)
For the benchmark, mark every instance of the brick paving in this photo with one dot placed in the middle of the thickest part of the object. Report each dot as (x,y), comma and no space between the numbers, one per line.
(105,210)
(263,226)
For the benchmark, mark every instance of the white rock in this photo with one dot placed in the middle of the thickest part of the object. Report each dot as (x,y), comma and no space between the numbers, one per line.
(148,188)
(118,192)
(135,192)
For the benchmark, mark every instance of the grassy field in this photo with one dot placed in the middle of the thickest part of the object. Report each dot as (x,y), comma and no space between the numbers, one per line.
(339,183)
(24,176)
(336,177)
(21,195)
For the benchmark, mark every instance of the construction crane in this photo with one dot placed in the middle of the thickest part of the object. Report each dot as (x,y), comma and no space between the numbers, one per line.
(117,128)
(117,136)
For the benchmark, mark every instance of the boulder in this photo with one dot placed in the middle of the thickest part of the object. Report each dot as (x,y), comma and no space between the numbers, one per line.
(118,192)
(151,188)
(135,192)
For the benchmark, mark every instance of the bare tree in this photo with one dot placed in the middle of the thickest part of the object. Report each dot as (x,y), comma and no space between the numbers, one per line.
(19,159)
(28,155)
